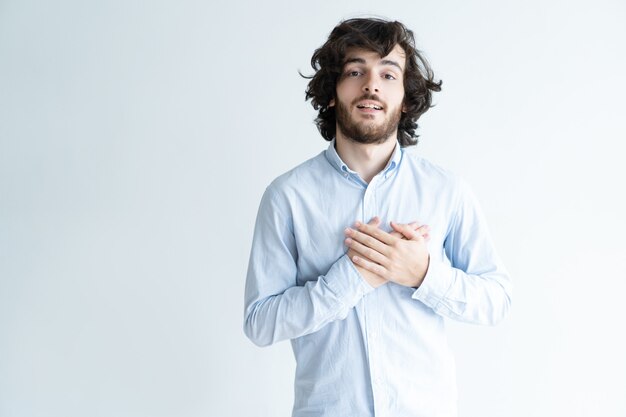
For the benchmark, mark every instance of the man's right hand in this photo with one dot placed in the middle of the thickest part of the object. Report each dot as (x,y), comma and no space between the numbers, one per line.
(371,278)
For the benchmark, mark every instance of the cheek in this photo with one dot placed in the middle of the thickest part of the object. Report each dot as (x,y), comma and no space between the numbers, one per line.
(347,88)
(398,97)
(341,93)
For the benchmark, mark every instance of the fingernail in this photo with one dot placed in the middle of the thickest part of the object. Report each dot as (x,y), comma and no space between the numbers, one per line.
(357,224)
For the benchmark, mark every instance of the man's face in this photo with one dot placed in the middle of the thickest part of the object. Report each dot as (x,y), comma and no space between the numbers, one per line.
(369,95)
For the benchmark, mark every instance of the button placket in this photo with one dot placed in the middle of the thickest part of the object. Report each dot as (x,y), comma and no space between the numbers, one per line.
(373,324)
(369,201)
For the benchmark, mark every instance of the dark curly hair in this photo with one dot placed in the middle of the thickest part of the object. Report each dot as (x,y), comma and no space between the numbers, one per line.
(380,36)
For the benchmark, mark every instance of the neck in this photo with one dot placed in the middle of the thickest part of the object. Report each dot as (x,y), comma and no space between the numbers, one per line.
(365,159)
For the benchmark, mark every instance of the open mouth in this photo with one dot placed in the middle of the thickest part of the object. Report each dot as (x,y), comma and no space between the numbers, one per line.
(369,106)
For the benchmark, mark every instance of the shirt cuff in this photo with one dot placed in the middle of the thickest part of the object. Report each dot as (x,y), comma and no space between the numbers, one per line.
(346,283)
(435,286)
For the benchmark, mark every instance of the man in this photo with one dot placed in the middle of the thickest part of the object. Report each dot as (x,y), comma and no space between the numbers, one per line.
(342,263)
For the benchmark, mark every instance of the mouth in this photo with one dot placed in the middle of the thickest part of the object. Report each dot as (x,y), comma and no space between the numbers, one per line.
(369,106)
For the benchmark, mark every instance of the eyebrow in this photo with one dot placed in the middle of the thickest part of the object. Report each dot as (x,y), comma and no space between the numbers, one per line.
(383,62)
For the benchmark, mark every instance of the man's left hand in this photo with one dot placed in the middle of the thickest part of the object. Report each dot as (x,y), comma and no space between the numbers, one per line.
(403,261)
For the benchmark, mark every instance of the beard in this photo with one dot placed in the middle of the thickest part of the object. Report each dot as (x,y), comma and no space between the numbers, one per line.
(366,132)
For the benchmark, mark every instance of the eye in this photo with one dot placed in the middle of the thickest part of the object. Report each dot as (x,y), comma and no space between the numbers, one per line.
(353,73)
(389,77)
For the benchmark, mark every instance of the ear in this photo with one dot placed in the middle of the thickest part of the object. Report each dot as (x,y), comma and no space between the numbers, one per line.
(331,103)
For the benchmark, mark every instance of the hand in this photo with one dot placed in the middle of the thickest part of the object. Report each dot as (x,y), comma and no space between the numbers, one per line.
(370,277)
(411,228)
(388,256)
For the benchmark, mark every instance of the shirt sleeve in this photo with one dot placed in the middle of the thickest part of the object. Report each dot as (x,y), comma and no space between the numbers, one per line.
(474,286)
(276,308)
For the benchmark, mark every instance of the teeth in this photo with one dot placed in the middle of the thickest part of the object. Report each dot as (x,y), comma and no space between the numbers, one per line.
(370,106)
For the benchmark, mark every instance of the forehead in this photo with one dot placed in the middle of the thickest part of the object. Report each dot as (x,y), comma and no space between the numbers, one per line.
(355,54)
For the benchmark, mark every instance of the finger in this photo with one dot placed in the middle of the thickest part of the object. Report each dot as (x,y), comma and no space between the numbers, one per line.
(367,240)
(366,252)
(406,230)
(423,230)
(419,233)
(376,233)
(374,221)
(413,225)
(396,234)
(370,266)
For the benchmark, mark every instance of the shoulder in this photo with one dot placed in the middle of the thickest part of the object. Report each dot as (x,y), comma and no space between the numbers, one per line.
(302,177)
(430,172)
(447,185)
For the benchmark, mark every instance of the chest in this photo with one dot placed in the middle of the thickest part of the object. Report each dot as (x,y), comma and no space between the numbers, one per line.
(319,223)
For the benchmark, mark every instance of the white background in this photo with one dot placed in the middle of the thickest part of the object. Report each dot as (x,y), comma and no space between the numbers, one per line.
(136,139)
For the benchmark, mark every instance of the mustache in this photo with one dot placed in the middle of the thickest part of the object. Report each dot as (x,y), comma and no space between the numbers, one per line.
(372,97)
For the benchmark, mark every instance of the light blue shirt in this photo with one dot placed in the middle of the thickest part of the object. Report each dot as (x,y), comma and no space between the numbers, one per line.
(362,351)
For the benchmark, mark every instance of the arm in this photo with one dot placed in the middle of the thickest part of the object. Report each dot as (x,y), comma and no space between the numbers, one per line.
(474,288)
(275,307)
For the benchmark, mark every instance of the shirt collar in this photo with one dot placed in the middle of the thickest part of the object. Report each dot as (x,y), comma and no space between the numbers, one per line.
(335,160)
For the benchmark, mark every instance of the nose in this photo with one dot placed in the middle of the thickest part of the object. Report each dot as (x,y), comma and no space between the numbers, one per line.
(371,83)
